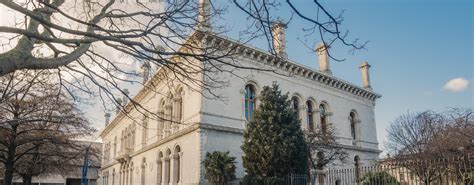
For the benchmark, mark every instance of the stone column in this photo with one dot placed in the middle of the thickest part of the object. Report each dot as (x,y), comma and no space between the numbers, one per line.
(180,167)
(125,179)
(120,176)
(175,168)
(131,175)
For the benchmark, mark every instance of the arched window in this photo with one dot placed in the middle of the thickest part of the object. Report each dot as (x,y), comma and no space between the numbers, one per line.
(160,167)
(113,176)
(177,164)
(249,101)
(309,113)
(122,141)
(296,105)
(353,120)
(179,105)
(323,117)
(161,118)
(169,115)
(132,146)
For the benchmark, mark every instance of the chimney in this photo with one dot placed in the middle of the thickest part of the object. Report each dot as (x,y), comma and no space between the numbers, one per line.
(125,97)
(278,33)
(145,72)
(204,17)
(107,118)
(119,105)
(323,57)
(364,68)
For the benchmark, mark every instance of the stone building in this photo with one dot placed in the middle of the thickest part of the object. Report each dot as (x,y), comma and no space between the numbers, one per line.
(171,152)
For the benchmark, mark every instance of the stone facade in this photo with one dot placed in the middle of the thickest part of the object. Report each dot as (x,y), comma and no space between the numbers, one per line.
(150,151)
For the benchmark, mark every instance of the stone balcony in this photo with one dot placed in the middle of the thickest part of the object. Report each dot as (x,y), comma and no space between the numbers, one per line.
(123,155)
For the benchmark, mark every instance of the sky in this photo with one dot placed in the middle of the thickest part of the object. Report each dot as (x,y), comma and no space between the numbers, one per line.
(421,52)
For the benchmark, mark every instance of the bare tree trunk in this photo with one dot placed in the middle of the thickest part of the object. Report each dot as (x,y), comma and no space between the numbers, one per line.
(26,180)
(10,163)
(8,177)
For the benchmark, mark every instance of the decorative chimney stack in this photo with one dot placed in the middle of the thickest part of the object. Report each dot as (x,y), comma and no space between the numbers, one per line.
(323,57)
(364,68)
(204,17)
(119,105)
(107,118)
(279,42)
(145,72)
(125,97)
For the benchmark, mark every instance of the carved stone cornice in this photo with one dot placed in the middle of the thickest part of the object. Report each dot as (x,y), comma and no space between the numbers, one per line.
(263,57)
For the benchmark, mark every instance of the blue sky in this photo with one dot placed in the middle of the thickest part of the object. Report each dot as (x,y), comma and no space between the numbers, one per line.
(415,48)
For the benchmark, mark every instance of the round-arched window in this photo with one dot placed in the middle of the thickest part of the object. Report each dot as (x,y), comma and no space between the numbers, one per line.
(250,100)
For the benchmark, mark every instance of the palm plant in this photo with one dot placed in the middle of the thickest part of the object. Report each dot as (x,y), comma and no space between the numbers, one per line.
(219,167)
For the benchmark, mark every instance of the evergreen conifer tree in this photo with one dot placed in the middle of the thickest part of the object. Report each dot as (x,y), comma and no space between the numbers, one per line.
(274,144)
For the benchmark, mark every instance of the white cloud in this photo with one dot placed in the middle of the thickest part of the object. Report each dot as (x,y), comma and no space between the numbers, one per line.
(456,84)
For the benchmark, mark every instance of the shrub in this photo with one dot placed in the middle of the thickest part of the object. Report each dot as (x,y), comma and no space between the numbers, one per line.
(378,178)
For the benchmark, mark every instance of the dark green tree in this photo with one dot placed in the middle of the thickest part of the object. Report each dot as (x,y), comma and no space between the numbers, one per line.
(220,167)
(274,144)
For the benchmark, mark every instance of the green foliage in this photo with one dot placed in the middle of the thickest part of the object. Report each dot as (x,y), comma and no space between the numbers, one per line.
(378,178)
(219,167)
(253,180)
(274,144)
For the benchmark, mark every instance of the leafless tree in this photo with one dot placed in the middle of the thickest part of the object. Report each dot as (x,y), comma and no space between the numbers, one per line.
(64,157)
(432,136)
(81,40)
(324,147)
(36,118)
